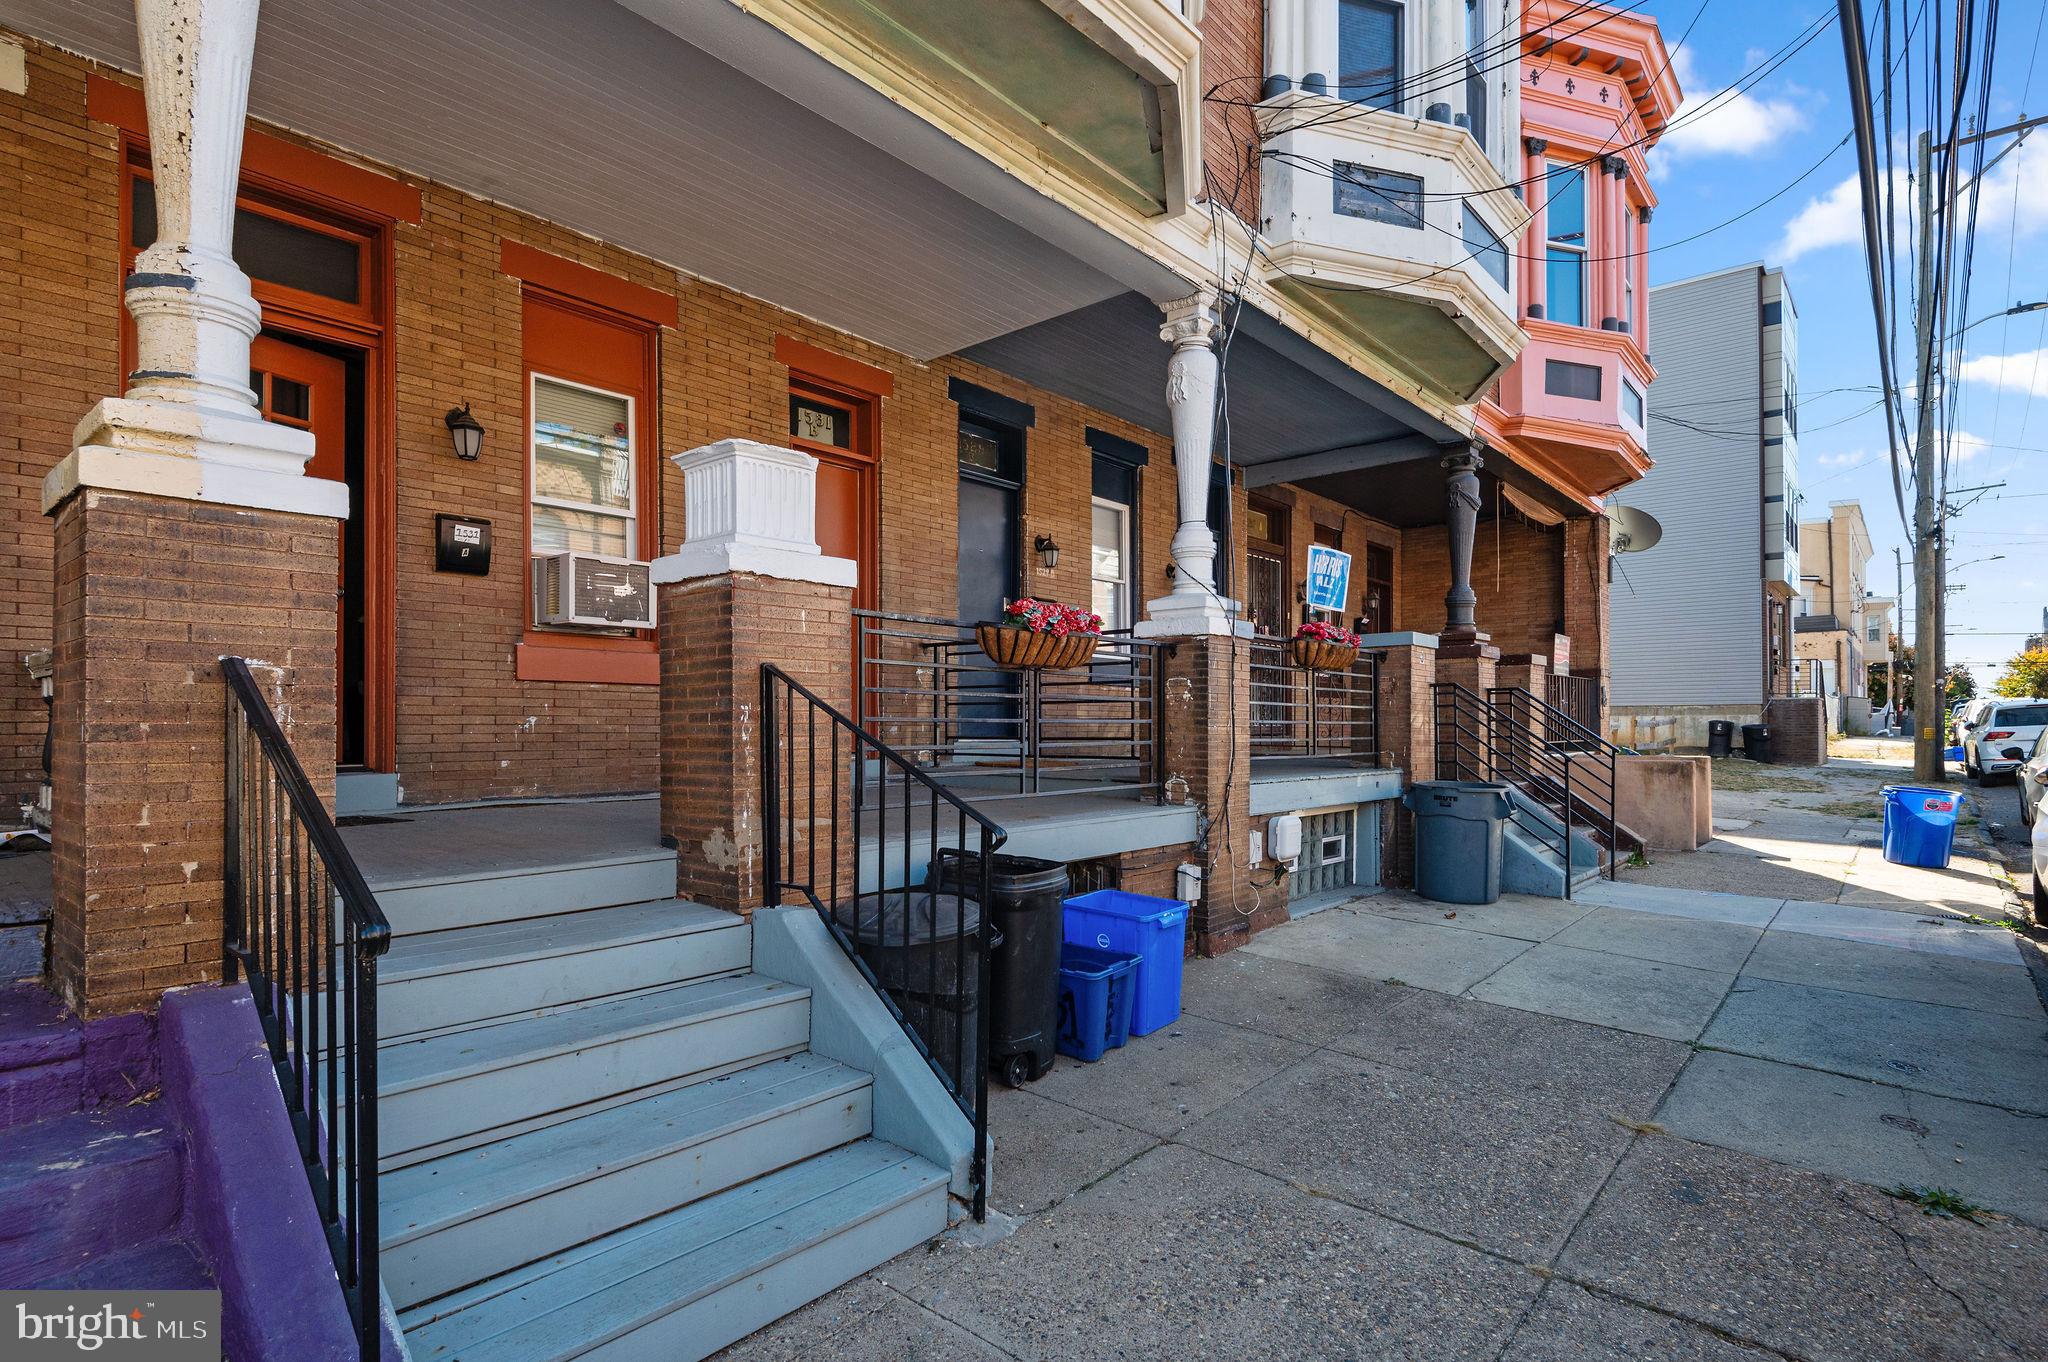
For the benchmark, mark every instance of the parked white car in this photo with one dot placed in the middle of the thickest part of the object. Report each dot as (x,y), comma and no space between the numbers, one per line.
(2033,779)
(1998,735)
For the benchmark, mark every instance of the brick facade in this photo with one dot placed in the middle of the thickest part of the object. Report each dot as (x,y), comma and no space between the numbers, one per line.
(1208,764)
(1517,569)
(150,593)
(466,726)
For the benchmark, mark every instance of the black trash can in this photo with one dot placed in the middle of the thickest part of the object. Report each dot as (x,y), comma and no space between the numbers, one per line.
(1756,742)
(1025,898)
(1720,737)
(913,941)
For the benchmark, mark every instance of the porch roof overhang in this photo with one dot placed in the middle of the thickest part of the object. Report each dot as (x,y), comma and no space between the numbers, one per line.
(709,140)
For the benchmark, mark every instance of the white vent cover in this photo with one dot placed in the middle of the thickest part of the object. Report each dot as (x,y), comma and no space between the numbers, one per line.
(593,591)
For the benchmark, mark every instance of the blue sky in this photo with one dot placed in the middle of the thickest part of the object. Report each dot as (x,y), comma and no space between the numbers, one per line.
(1755,143)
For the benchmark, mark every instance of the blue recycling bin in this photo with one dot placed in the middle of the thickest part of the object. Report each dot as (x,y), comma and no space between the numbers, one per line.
(1920,825)
(1154,930)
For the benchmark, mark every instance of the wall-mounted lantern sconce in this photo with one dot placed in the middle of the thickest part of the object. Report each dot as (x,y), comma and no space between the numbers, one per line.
(1048,552)
(466,432)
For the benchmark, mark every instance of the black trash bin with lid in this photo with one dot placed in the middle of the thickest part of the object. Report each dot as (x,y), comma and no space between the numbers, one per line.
(1720,737)
(1756,742)
(1024,903)
(923,950)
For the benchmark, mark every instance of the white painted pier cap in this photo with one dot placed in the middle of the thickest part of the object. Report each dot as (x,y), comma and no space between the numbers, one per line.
(753,508)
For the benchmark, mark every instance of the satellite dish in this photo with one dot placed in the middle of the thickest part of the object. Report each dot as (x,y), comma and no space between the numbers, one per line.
(1631,531)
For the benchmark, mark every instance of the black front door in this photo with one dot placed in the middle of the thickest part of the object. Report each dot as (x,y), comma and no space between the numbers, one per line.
(991,476)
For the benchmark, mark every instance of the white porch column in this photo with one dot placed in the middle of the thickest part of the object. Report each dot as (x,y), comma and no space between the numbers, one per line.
(1193,606)
(188,426)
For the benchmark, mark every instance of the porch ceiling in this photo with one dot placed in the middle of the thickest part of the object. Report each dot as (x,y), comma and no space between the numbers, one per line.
(1286,397)
(591,116)
(1411,493)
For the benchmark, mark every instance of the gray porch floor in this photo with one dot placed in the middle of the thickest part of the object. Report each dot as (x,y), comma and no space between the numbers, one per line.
(429,843)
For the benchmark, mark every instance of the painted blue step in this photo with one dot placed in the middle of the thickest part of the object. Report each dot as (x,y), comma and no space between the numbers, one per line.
(460,1219)
(76,1187)
(438,902)
(165,1264)
(683,1285)
(453,1088)
(436,980)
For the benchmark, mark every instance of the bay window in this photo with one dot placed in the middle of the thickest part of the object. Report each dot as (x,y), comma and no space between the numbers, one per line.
(1369,53)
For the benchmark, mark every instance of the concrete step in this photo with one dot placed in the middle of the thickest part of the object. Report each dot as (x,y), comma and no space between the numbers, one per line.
(457,1220)
(684,1284)
(438,903)
(76,1188)
(453,1089)
(438,980)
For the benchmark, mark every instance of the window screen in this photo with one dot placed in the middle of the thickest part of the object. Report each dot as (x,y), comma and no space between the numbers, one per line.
(269,249)
(1369,53)
(1562,378)
(1376,195)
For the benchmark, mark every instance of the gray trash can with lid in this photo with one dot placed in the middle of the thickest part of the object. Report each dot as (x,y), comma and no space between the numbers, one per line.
(1457,838)
(922,948)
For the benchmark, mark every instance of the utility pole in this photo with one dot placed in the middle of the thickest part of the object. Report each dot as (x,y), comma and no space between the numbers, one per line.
(1927,708)
(1930,512)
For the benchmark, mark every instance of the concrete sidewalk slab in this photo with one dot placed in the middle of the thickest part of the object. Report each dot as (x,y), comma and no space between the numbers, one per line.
(1976,1056)
(1878,927)
(1571,1324)
(1523,917)
(1046,1151)
(1505,1051)
(1795,957)
(1511,1174)
(1375,947)
(1162,1082)
(1645,996)
(1698,942)
(1783,848)
(1182,1255)
(1808,1264)
(1866,1131)
(1301,1002)
(1747,909)
(864,1321)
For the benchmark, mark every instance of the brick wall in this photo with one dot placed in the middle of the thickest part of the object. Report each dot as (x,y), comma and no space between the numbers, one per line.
(1233,66)
(1517,569)
(466,726)
(60,313)
(140,722)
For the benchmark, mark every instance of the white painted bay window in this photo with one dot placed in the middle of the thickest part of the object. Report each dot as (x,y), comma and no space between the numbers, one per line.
(1369,52)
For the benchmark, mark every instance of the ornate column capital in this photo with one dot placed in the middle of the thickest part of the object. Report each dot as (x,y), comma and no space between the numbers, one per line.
(1462,458)
(1193,320)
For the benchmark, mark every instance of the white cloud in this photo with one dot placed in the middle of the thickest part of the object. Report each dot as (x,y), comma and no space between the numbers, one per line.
(1963,446)
(1835,218)
(1846,459)
(2026,371)
(1714,122)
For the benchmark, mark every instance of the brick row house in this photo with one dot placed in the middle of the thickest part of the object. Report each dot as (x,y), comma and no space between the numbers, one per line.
(499,505)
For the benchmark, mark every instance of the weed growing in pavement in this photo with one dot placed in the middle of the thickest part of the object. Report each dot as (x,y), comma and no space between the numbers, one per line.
(1938,1201)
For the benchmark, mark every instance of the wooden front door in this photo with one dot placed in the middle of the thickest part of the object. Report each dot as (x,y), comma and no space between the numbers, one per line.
(839,432)
(308,390)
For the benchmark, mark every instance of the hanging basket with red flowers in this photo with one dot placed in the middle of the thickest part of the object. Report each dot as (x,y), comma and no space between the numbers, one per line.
(1322,647)
(1040,635)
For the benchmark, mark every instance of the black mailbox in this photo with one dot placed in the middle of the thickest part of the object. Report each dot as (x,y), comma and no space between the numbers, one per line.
(462,544)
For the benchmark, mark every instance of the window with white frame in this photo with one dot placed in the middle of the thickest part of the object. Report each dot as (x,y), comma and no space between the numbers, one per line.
(1564,271)
(584,469)
(1369,53)
(1109,563)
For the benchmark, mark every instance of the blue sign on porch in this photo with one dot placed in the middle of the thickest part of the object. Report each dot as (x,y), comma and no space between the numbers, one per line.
(1329,578)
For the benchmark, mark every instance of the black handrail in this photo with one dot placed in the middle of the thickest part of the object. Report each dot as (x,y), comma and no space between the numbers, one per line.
(290,884)
(818,807)
(1297,712)
(1584,748)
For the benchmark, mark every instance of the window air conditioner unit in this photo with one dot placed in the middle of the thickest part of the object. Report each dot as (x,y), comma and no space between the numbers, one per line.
(592,590)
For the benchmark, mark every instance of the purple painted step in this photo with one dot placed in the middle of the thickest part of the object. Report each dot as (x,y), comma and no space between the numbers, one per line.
(81,1187)
(159,1265)
(52,1064)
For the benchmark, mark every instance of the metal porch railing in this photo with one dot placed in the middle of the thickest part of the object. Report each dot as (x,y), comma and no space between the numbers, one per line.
(306,931)
(918,947)
(1300,713)
(926,689)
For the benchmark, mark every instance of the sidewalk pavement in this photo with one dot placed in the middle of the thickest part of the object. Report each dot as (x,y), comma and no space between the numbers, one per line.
(1651,1123)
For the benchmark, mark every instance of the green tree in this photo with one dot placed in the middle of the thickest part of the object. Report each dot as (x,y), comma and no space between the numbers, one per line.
(2026,675)
(1961,685)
